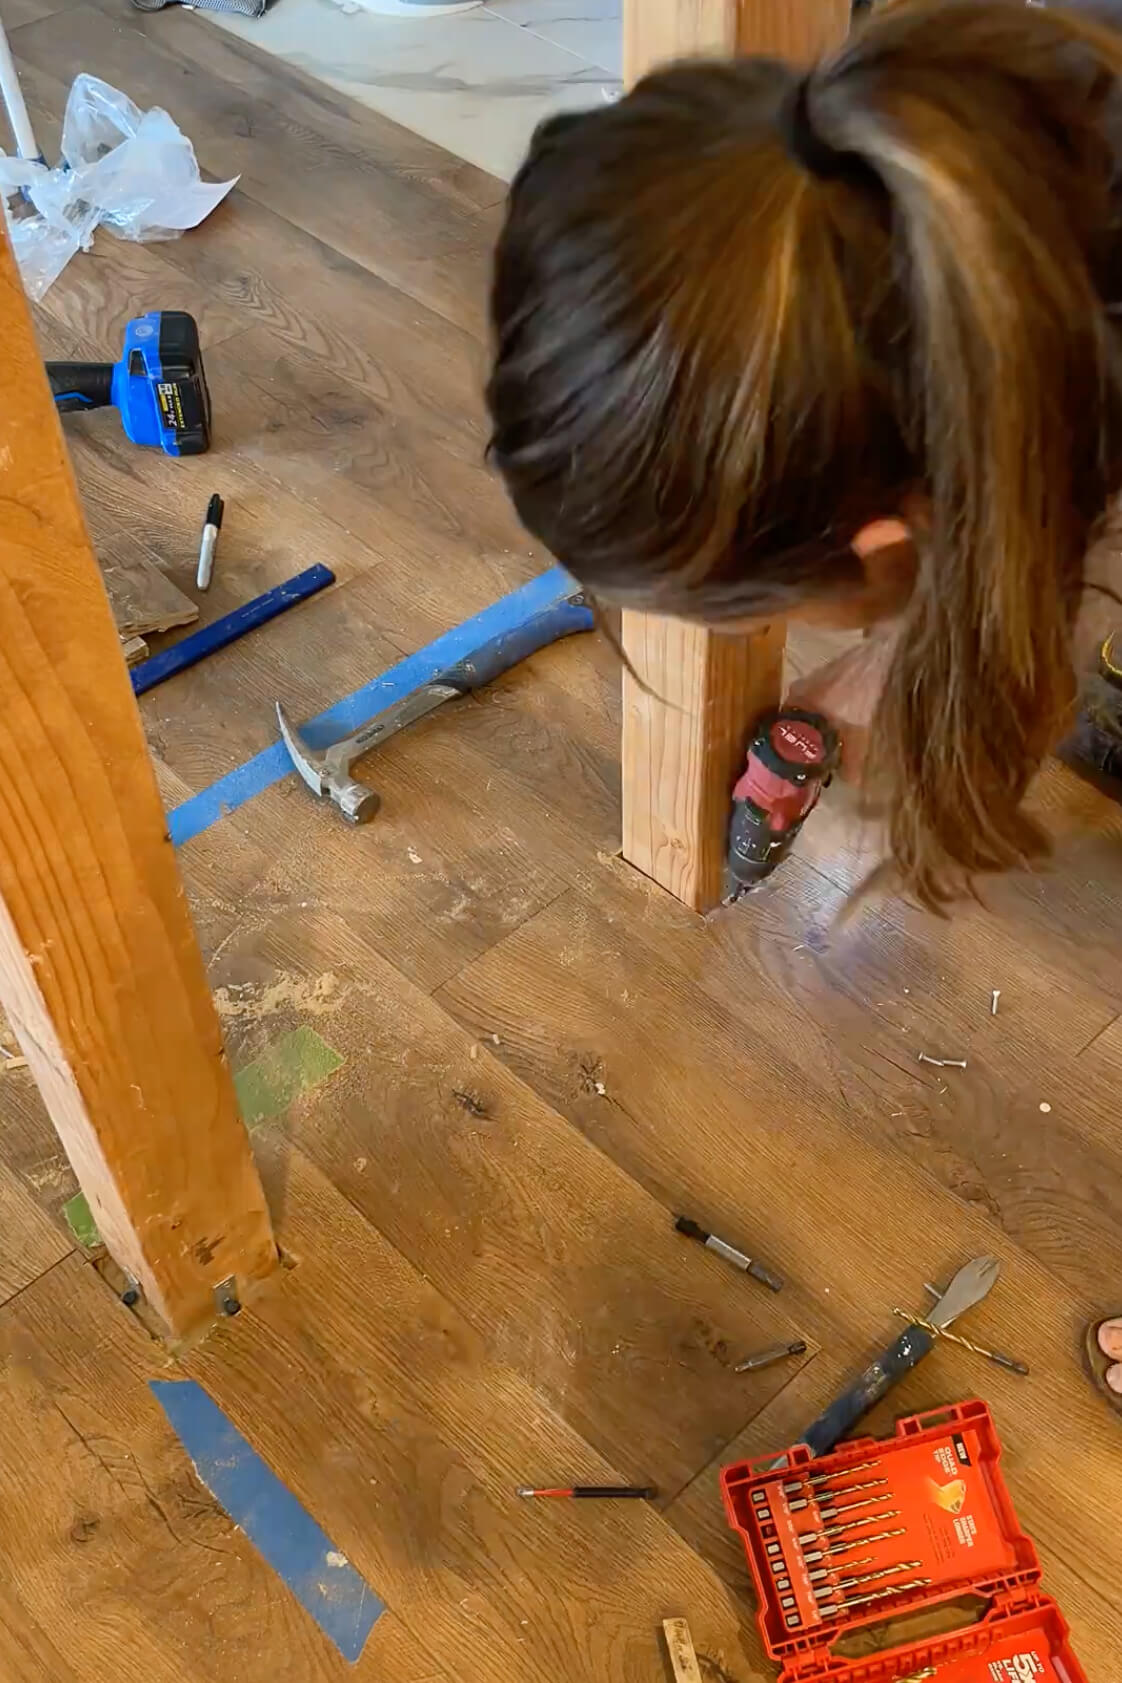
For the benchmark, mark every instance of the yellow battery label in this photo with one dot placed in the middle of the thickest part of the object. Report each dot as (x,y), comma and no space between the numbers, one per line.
(171,404)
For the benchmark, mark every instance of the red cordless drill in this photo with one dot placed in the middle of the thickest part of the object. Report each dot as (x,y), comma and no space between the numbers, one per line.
(791,758)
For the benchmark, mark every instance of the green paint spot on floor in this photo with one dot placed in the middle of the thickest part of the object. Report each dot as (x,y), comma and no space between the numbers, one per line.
(81,1223)
(287,1068)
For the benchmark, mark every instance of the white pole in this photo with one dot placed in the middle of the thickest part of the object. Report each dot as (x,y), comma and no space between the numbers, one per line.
(12,93)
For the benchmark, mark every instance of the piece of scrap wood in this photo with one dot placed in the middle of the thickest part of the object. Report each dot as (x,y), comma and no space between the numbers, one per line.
(133,649)
(679,1645)
(12,1063)
(142,597)
(280,1528)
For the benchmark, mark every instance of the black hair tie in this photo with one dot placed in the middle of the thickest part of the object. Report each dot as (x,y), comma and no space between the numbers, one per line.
(805,145)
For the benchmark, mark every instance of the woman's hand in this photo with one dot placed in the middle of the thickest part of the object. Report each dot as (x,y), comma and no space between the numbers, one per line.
(846,691)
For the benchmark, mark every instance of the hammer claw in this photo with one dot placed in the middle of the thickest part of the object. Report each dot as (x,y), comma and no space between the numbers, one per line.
(327,772)
(307,761)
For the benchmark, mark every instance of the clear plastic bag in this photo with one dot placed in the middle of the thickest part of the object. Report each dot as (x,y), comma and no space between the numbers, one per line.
(132,171)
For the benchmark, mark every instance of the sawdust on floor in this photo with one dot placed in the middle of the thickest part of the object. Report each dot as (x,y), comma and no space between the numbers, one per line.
(312,996)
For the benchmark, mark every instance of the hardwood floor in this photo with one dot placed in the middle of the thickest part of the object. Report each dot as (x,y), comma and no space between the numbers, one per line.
(544,1056)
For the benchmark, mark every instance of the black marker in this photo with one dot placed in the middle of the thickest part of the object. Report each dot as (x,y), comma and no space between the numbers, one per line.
(209,539)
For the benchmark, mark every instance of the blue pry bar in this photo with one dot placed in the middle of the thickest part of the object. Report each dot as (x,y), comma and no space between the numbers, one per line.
(189,650)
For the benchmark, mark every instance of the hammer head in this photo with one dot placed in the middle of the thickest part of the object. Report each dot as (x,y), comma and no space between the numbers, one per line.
(327,774)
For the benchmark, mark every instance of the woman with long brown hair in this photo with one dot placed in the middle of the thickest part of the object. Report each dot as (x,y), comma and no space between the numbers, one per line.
(843,346)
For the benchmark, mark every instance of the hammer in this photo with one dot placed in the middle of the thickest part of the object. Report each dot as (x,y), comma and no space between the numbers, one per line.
(327,771)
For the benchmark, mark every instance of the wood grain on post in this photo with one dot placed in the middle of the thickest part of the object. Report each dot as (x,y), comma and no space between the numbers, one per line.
(100,973)
(682,753)
(796,29)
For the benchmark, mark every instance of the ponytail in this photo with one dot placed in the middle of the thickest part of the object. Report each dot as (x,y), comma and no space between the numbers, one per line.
(998,174)
(739,315)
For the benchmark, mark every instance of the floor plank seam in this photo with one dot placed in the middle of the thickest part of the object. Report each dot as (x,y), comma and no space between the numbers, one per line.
(721,1454)
(14,1297)
(485,952)
(1114,1021)
(479,336)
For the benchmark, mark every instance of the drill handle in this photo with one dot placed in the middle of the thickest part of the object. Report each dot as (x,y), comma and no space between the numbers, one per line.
(80,385)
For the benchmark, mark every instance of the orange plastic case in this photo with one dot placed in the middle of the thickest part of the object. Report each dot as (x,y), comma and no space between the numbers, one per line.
(954,1532)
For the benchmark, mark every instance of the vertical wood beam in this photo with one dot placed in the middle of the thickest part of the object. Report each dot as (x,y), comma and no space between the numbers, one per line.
(100,974)
(681,753)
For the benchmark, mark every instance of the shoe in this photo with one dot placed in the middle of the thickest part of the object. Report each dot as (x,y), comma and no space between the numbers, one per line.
(1097,1363)
(1094,748)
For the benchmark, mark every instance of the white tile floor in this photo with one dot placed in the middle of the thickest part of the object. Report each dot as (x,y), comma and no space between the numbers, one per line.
(476,82)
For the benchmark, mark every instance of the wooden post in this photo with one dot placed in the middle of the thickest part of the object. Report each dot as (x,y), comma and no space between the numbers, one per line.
(680,760)
(100,974)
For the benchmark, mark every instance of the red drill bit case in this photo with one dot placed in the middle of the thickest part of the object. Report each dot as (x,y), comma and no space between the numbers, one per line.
(941,1526)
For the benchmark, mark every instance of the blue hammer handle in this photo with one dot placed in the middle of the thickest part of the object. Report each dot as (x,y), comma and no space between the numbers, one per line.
(868,1388)
(189,650)
(491,660)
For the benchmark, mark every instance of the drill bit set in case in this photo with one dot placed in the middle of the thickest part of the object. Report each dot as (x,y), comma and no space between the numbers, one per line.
(883,1528)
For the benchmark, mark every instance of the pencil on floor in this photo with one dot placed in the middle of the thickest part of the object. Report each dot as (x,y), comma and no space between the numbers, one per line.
(631,1492)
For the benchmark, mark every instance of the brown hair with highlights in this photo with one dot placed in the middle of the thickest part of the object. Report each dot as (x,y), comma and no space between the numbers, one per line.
(713,366)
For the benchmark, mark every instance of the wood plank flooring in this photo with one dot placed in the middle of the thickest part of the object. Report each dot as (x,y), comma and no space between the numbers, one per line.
(544,1056)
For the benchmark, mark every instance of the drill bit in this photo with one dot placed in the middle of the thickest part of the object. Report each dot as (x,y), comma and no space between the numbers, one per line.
(850,1525)
(826,1591)
(829,1478)
(844,1508)
(877,1595)
(1010,1363)
(832,1571)
(865,1542)
(846,1548)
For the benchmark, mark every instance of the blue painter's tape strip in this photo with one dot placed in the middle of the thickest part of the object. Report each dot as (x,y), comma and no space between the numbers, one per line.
(273,764)
(319,1576)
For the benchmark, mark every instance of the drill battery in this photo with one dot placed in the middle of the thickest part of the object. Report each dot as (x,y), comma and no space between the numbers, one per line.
(158,385)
